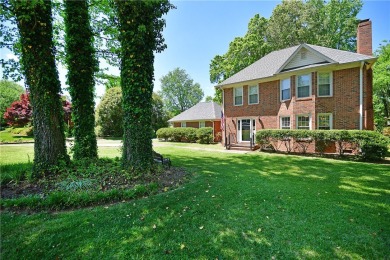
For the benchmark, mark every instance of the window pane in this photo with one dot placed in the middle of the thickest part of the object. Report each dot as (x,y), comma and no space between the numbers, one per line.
(253,90)
(303,80)
(238,96)
(303,122)
(324,78)
(324,84)
(285,89)
(286,84)
(324,121)
(253,99)
(238,92)
(285,122)
(303,86)
(303,91)
(324,90)
(238,100)
(285,94)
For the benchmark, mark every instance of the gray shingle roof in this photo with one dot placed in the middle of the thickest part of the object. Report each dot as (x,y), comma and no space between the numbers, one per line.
(201,111)
(272,63)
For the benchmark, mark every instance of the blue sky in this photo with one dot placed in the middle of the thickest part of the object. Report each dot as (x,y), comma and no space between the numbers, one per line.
(198,30)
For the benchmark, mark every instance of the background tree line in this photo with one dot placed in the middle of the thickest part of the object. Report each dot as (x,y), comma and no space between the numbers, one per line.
(125,32)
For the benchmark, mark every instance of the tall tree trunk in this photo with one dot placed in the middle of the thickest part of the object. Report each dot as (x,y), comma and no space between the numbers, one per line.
(34,21)
(137,84)
(140,35)
(82,64)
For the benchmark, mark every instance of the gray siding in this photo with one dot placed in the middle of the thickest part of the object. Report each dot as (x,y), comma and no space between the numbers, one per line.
(303,58)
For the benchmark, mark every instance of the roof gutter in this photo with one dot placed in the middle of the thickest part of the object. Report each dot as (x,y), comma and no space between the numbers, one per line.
(361,97)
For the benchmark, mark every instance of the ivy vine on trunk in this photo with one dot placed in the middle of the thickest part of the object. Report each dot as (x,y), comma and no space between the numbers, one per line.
(140,27)
(34,21)
(82,64)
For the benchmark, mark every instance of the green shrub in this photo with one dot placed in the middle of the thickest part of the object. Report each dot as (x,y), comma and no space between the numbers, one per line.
(370,145)
(190,134)
(204,135)
(373,145)
(177,134)
(163,133)
(186,134)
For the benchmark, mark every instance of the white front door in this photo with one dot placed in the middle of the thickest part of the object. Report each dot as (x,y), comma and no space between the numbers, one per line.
(245,129)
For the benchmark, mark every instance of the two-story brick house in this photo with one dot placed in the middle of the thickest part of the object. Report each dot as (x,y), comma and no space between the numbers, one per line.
(302,87)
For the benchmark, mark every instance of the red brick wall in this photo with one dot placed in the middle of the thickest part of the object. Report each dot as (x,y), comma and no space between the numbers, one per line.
(344,104)
(364,37)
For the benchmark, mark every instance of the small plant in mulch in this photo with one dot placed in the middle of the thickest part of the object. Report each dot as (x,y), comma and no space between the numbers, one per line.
(87,183)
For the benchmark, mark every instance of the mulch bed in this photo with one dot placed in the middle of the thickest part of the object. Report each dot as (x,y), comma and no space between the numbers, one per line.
(168,179)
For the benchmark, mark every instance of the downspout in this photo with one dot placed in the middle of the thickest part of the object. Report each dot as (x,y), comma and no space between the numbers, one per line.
(224,116)
(213,131)
(361,97)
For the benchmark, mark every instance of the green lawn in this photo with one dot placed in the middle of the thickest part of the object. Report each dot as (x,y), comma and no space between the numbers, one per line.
(237,206)
(7,137)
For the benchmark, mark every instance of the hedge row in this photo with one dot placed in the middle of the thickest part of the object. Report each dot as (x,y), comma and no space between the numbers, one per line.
(202,135)
(369,145)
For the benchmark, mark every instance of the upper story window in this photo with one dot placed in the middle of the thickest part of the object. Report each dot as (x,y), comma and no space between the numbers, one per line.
(253,95)
(303,122)
(238,96)
(325,84)
(183,124)
(202,124)
(303,86)
(285,91)
(324,121)
(285,122)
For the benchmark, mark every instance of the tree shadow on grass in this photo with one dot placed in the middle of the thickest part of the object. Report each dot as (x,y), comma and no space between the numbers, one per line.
(237,206)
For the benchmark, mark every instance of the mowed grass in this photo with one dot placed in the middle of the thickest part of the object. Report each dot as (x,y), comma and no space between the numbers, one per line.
(237,206)
(7,137)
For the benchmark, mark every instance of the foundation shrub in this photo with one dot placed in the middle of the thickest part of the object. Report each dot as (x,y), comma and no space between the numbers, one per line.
(368,145)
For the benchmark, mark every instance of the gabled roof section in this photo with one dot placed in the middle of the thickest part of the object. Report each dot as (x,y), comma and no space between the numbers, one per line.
(263,68)
(288,59)
(201,111)
(303,56)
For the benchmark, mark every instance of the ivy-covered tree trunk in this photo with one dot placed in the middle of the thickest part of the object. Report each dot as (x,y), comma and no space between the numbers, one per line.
(34,21)
(82,64)
(140,34)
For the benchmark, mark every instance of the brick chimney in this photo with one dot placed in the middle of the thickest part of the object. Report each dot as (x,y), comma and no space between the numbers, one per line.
(364,37)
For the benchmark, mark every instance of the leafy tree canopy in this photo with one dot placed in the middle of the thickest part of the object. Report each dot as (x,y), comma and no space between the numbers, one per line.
(381,72)
(10,92)
(179,91)
(109,113)
(19,113)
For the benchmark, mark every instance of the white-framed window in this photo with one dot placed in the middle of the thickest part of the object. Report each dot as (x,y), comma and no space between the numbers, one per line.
(238,93)
(285,89)
(202,124)
(303,88)
(304,122)
(324,83)
(183,124)
(325,121)
(285,122)
(253,95)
